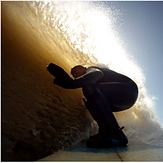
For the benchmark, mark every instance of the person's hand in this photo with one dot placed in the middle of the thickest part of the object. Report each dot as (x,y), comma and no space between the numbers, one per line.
(56,71)
(61,77)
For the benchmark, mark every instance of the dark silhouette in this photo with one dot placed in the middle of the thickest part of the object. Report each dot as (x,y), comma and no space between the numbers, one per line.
(106,91)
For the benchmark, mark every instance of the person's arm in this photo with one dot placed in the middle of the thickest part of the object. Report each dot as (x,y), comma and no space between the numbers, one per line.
(62,79)
(92,76)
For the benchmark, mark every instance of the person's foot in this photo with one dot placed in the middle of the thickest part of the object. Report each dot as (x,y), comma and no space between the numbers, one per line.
(99,141)
(119,138)
(106,141)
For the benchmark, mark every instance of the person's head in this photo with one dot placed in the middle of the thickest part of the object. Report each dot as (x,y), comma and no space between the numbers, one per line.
(78,71)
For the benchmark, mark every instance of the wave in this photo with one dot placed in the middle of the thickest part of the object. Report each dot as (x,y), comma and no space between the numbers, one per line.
(86,33)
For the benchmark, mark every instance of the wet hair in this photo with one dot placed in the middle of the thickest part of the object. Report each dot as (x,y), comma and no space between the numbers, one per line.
(76,67)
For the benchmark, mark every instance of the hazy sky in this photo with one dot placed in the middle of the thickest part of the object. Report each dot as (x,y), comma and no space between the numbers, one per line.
(141,28)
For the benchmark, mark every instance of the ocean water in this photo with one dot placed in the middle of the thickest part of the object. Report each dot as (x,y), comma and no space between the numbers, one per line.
(91,29)
(86,33)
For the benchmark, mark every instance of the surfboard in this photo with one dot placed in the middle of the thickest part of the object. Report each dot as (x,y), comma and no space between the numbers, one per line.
(132,152)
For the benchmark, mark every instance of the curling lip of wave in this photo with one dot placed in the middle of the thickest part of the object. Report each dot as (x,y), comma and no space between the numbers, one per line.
(95,35)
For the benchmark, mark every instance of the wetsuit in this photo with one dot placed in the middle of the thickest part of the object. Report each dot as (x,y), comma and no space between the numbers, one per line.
(106,91)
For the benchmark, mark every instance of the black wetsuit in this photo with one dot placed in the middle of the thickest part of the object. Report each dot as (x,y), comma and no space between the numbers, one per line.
(106,91)
(113,92)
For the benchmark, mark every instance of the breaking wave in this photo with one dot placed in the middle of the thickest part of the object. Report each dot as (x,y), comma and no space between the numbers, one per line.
(89,29)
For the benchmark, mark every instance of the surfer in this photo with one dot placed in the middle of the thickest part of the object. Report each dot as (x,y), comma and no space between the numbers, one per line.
(106,91)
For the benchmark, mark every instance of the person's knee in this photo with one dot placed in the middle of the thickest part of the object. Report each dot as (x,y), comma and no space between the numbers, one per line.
(89,90)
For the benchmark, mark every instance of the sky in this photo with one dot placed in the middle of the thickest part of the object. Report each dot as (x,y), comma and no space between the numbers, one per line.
(141,28)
